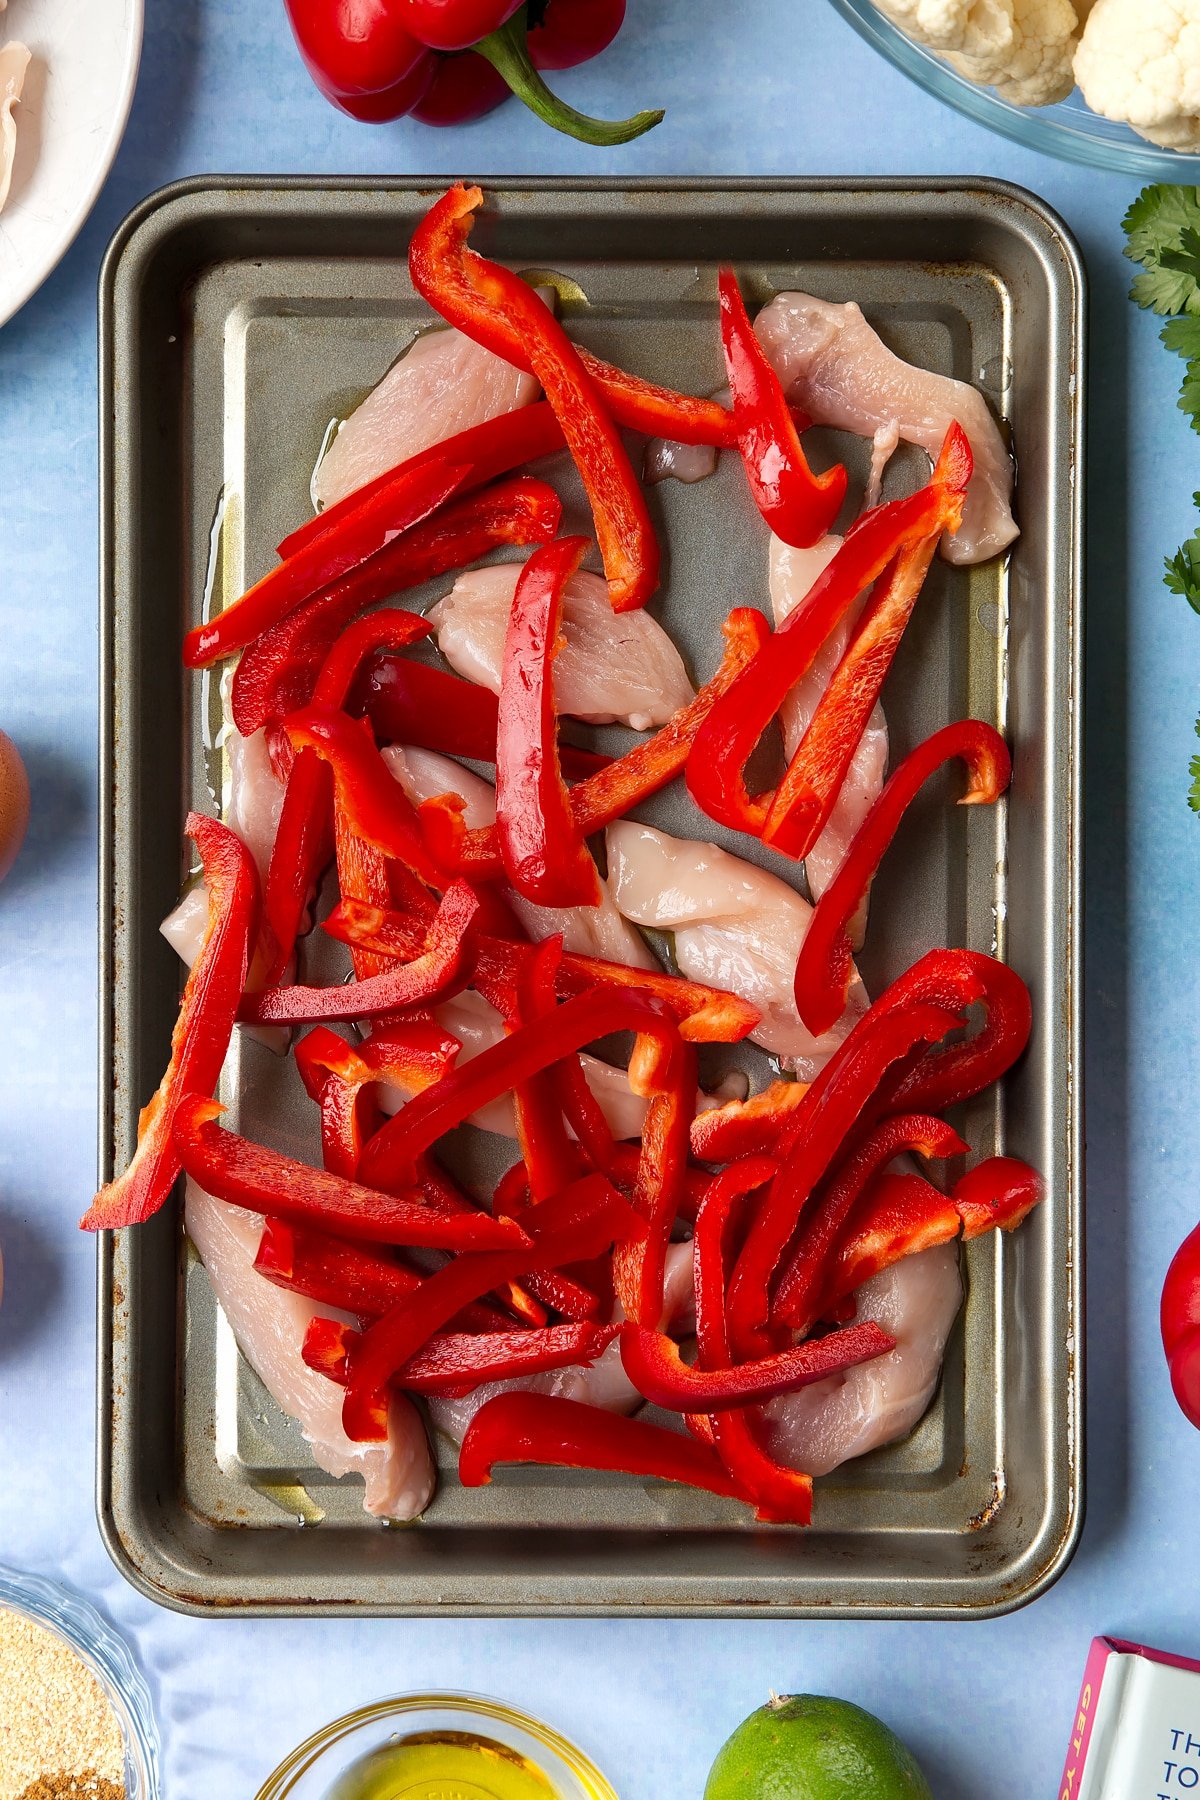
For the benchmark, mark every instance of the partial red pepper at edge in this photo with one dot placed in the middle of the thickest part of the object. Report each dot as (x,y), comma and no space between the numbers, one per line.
(798,506)
(825,967)
(202,1031)
(1179,1320)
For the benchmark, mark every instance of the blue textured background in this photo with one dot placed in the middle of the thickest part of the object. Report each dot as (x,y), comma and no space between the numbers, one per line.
(766,89)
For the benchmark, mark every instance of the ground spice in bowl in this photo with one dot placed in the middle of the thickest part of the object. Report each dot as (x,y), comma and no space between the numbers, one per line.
(60,1738)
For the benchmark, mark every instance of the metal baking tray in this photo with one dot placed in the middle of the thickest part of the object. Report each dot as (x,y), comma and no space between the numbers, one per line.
(237,318)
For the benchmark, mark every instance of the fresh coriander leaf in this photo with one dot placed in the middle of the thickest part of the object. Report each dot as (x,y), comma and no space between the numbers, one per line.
(1183,336)
(1165,291)
(1189,395)
(1185,260)
(1181,572)
(1157,219)
(1194,772)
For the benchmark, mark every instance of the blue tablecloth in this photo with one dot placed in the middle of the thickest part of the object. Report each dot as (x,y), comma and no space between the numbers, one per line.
(767,89)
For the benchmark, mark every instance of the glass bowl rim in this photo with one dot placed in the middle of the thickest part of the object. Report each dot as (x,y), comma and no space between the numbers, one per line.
(1040,128)
(70,1616)
(281,1782)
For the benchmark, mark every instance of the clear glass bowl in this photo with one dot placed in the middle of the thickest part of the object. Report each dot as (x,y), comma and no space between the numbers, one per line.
(70,1617)
(1069,129)
(310,1772)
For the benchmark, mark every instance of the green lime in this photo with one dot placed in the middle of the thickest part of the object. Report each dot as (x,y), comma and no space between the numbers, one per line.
(809,1747)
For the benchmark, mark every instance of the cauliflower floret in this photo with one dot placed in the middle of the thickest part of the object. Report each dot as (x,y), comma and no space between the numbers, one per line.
(1034,69)
(1139,61)
(972,27)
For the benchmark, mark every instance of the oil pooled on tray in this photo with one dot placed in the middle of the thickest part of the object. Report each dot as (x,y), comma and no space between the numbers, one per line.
(443,1765)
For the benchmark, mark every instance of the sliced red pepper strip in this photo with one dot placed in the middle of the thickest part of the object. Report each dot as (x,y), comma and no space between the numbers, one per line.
(496,1070)
(248,1175)
(996,1195)
(444,1193)
(704,1015)
(491,448)
(727,739)
(202,1031)
(375,805)
(941,1078)
(825,967)
(782,1496)
(806,796)
(363,874)
(551,1160)
(831,1109)
(443,967)
(330,555)
(649,766)
(454,1363)
(335,1272)
(799,506)
(543,850)
(801,1286)
(488,302)
(653,1363)
(746,1127)
(335,1073)
(414,703)
(580,1222)
(567,1434)
(277,672)
(639,1266)
(439,268)
(304,836)
(1179,1323)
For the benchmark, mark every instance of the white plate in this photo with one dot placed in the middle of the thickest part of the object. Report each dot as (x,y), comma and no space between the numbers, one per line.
(70,121)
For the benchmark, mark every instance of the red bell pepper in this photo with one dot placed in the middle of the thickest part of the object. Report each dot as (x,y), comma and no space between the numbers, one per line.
(653,1363)
(551,1160)
(614,791)
(780,1495)
(567,1434)
(580,1222)
(495,1071)
(466,86)
(362,55)
(261,1180)
(437,266)
(1179,1320)
(362,532)
(893,1027)
(543,851)
(900,1215)
(277,672)
(798,506)
(727,739)
(364,874)
(412,1055)
(202,1031)
(639,1267)
(941,1078)
(494,306)
(806,796)
(825,967)
(508,51)
(801,1285)
(454,1363)
(443,967)
(746,1127)
(336,1272)
(304,836)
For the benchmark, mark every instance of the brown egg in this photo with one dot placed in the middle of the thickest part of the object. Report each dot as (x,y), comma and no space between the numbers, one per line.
(14,803)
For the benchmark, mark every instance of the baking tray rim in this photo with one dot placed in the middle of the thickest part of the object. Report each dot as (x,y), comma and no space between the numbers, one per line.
(151,220)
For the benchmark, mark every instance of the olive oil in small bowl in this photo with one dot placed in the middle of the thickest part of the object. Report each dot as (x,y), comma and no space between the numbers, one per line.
(437,1747)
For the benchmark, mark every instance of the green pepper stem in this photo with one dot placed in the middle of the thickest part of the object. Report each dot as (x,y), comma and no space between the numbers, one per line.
(507,50)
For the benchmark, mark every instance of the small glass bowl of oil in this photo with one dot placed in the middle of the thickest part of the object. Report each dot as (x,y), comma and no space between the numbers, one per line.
(437,1747)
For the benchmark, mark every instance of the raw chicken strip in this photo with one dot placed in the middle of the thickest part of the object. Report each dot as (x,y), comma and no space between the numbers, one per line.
(603,1383)
(477,1024)
(443,384)
(735,927)
(834,365)
(184,928)
(917,1301)
(792,575)
(613,666)
(269,1324)
(14,62)
(588,930)
(666,460)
